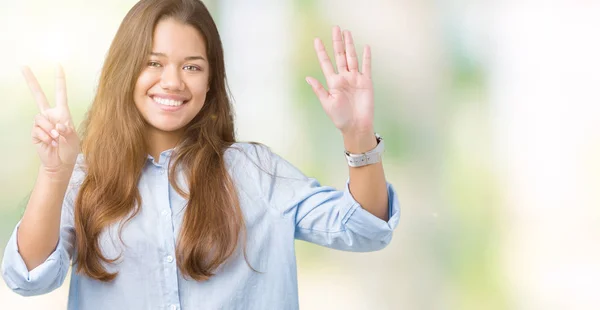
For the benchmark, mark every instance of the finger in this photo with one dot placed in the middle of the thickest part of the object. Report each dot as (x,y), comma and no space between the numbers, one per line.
(318,89)
(68,134)
(366,63)
(64,130)
(47,126)
(38,136)
(350,52)
(324,60)
(61,87)
(70,127)
(36,90)
(338,49)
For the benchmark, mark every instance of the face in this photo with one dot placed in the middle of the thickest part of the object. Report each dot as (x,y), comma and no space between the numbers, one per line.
(172,87)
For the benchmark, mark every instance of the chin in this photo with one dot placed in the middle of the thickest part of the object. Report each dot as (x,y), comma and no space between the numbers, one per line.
(166,127)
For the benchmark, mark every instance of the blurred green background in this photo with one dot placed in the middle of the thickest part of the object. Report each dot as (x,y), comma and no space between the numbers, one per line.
(488,112)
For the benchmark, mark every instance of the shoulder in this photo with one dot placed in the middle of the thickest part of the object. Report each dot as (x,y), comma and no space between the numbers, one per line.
(259,161)
(254,163)
(248,154)
(248,148)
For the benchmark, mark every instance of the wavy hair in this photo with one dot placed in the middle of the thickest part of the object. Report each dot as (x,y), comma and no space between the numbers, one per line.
(115,150)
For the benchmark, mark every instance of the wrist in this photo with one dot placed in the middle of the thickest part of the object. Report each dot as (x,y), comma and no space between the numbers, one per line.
(358,143)
(61,173)
(364,158)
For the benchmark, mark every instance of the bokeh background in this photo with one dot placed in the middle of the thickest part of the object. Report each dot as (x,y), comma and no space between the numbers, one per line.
(490,111)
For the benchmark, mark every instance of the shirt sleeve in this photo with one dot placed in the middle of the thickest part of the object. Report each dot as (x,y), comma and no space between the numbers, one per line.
(324,215)
(52,272)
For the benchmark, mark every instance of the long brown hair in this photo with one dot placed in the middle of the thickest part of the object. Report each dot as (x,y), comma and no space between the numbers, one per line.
(115,151)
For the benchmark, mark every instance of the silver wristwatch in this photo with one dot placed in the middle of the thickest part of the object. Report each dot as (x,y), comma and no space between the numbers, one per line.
(371,157)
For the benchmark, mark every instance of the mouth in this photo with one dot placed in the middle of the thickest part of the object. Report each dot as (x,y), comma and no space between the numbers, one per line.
(168,102)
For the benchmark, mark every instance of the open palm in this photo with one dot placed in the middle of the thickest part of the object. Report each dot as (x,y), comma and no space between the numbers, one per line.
(349,101)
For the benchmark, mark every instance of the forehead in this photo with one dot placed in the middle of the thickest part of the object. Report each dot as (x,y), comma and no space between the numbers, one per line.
(176,39)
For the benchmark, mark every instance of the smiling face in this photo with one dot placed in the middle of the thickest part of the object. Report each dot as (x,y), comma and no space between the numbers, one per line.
(172,87)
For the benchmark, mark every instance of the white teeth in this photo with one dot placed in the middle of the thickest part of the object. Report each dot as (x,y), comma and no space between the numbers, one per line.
(169,102)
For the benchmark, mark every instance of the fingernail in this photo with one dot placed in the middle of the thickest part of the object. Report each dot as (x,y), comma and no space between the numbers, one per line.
(60,127)
(54,133)
(54,143)
(308,81)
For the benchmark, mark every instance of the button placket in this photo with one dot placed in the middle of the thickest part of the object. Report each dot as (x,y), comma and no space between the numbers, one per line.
(168,261)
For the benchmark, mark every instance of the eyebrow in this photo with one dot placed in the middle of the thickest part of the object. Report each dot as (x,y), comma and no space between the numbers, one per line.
(186,59)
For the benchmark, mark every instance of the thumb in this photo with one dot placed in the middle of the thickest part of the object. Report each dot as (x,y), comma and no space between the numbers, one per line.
(318,89)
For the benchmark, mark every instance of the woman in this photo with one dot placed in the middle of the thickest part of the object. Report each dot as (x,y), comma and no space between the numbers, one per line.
(160,207)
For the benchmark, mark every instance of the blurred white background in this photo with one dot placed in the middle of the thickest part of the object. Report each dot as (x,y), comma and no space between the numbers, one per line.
(490,111)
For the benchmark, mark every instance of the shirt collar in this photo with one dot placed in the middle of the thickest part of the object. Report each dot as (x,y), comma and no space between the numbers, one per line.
(163,159)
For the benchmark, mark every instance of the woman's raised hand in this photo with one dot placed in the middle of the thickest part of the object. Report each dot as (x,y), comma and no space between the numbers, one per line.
(53,130)
(349,100)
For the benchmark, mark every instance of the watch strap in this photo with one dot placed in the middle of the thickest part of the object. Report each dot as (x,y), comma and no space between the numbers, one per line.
(368,158)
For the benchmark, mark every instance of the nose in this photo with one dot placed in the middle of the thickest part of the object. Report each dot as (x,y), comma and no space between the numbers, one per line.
(170,79)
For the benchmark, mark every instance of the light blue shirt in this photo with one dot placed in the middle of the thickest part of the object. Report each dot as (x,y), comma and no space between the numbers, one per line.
(276,210)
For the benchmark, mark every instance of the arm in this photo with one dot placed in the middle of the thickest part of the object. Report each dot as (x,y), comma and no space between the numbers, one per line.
(38,233)
(53,266)
(367,183)
(28,270)
(320,214)
(349,104)
(37,256)
(57,146)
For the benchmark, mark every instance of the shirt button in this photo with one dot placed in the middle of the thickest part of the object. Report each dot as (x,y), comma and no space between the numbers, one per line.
(173,307)
(170,260)
(162,170)
(164,213)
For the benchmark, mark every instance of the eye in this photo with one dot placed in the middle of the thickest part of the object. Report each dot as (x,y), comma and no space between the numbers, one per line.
(153,64)
(192,68)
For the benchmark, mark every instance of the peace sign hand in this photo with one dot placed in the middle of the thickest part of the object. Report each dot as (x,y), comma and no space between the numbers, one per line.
(53,132)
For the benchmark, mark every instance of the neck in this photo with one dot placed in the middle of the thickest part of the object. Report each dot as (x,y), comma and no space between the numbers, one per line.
(159,141)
